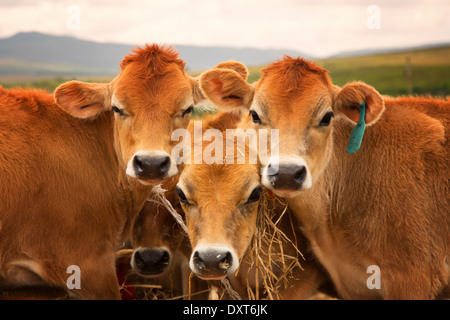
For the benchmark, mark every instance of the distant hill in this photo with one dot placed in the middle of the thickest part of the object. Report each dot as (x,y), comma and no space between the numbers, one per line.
(367,52)
(420,71)
(38,53)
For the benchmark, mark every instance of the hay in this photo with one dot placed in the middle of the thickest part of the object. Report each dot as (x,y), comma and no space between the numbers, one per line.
(159,197)
(266,253)
(270,236)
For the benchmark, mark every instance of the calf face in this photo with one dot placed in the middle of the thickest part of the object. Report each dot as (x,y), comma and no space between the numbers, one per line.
(221,204)
(150,98)
(156,235)
(297,98)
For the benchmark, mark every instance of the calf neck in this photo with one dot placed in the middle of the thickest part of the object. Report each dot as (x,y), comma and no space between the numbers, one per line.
(385,205)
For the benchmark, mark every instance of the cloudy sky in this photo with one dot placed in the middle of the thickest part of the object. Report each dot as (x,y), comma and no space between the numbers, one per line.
(316,27)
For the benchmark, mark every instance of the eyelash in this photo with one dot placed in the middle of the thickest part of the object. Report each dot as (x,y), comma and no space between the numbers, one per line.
(187,111)
(255,195)
(255,117)
(326,119)
(181,195)
(118,111)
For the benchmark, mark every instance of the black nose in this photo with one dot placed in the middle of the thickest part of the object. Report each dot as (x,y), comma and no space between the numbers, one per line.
(212,262)
(148,261)
(151,167)
(289,177)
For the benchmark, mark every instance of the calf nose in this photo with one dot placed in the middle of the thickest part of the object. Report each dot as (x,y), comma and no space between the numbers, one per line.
(288,177)
(147,167)
(212,263)
(148,261)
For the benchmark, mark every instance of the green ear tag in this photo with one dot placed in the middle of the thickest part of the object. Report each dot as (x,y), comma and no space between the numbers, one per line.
(358,131)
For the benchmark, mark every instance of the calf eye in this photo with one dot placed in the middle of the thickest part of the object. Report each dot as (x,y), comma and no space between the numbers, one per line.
(188,111)
(254,196)
(181,195)
(118,111)
(326,119)
(255,117)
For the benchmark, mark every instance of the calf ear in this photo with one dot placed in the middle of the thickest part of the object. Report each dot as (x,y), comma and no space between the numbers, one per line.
(82,100)
(234,65)
(196,91)
(348,98)
(227,89)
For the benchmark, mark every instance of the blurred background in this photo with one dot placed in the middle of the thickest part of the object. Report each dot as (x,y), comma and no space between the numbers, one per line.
(399,47)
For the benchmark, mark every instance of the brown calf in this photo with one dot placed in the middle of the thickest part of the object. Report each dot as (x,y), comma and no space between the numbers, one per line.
(160,251)
(221,204)
(156,235)
(378,219)
(75,173)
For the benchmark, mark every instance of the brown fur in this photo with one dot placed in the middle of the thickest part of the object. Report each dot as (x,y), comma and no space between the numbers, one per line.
(215,190)
(65,198)
(218,213)
(155,227)
(385,205)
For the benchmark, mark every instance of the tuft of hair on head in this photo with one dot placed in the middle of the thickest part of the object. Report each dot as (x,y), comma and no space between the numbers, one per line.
(152,58)
(295,73)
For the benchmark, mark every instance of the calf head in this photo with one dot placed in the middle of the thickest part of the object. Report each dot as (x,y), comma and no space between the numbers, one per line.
(156,235)
(297,98)
(221,205)
(150,98)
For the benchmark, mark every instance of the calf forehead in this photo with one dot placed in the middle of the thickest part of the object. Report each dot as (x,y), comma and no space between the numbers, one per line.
(224,183)
(170,89)
(292,88)
(294,109)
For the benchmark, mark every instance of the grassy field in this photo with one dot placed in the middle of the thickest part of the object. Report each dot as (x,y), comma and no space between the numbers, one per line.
(43,81)
(428,70)
(416,72)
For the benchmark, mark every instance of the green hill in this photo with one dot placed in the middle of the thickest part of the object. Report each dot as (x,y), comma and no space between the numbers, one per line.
(423,71)
(39,53)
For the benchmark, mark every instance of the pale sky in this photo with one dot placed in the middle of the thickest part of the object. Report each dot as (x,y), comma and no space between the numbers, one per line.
(316,27)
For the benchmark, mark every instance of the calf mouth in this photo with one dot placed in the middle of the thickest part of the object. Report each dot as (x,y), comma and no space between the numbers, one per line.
(151,182)
(283,193)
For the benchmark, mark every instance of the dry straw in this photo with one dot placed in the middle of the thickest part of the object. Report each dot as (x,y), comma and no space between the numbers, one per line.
(272,268)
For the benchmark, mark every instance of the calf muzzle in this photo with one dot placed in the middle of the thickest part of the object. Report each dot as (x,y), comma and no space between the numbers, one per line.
(289,177)
(212,264)
(150,261)
(151,167)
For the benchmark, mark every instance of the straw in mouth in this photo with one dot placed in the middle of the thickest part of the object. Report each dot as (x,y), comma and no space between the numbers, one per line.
(273,268)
